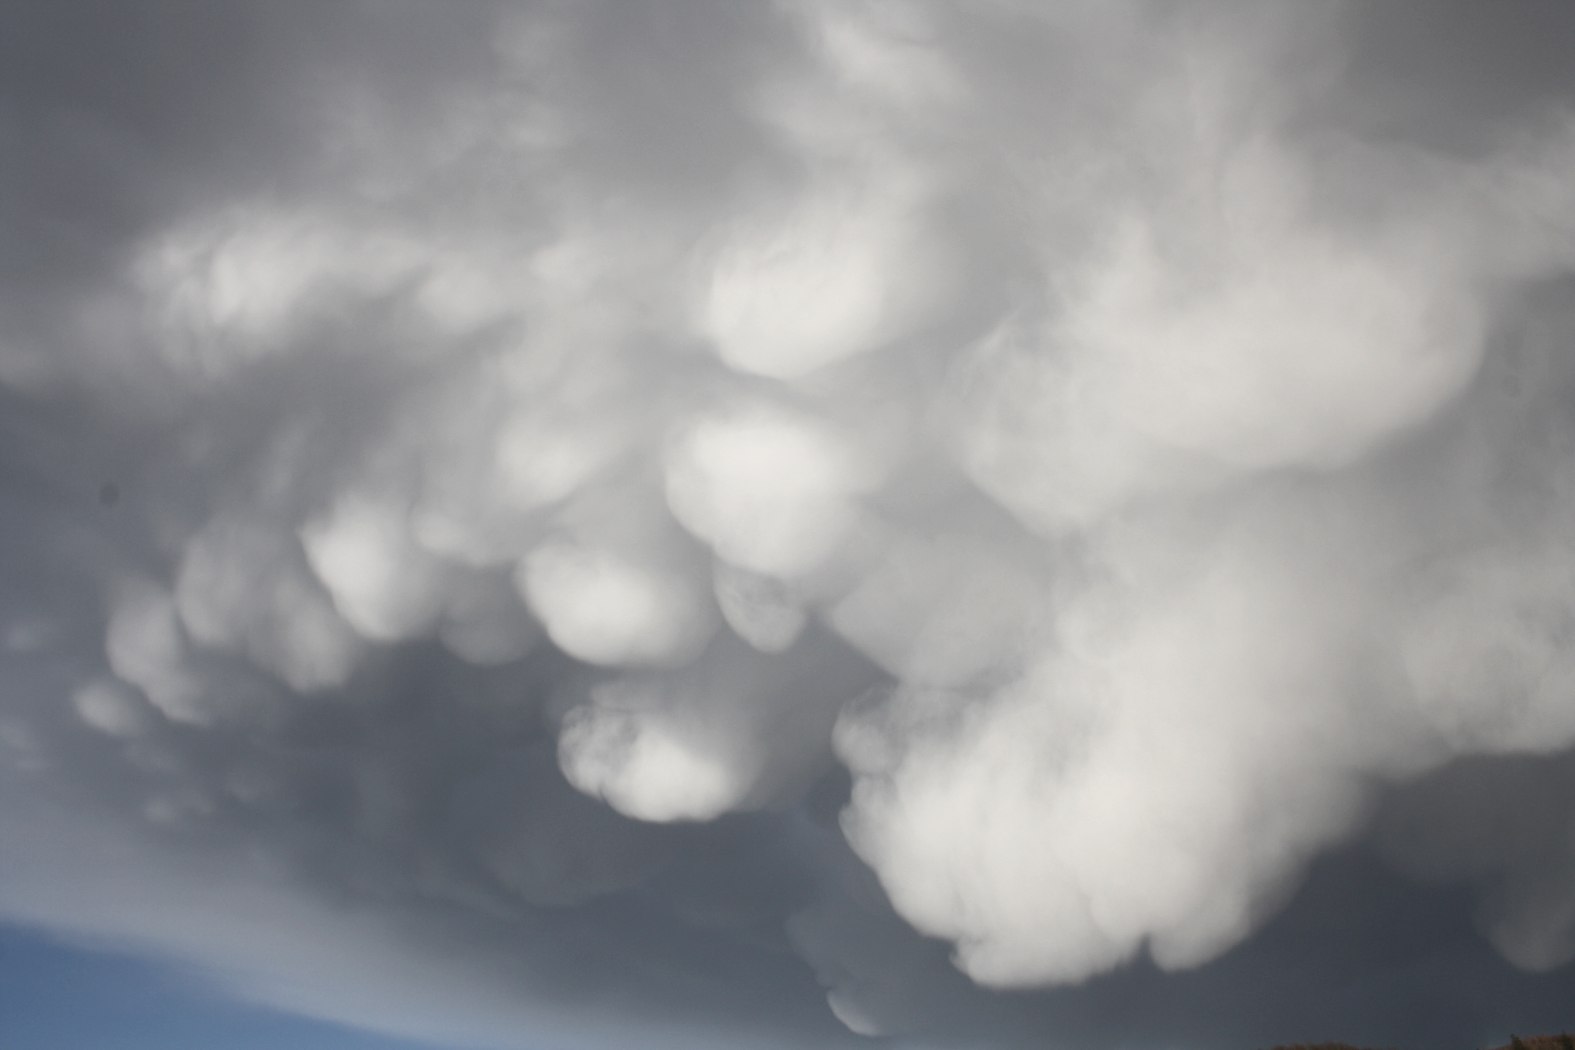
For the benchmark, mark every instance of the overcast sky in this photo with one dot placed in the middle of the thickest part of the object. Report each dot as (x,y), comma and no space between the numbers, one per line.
(705,523)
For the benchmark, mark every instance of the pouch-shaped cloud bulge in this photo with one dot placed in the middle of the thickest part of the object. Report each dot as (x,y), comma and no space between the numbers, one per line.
(772,494)
(604,609)
(383,582)
(242,587)
(842,273)
(738,730)
(110,707)
(765,522)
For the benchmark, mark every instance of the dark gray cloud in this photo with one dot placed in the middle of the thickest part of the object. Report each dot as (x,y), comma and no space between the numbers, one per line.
(787,524)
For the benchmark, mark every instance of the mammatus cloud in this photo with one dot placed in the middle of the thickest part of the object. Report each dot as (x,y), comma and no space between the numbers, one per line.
(712,512)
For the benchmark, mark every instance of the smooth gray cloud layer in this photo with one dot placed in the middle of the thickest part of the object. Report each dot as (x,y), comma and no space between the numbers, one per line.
(781,524)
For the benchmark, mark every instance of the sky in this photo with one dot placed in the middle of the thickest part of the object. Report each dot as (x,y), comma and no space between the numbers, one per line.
(556,525)
(58,996)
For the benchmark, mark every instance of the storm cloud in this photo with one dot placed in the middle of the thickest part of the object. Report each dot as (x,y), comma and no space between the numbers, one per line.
(778,524)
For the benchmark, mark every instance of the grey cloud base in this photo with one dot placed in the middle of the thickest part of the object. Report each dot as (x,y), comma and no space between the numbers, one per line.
(783,524)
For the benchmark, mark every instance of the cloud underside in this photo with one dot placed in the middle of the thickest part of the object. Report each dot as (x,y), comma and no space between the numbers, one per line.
(795,522)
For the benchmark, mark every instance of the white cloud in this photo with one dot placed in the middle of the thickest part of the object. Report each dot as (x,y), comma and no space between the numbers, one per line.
(496,504)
